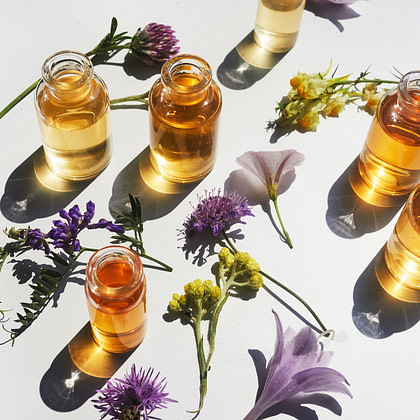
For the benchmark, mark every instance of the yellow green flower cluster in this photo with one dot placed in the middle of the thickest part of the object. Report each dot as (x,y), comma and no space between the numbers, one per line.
(315,95)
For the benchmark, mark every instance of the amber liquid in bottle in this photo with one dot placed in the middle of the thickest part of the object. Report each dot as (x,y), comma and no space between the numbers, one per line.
(277,24)
(400,274)
(75,129)
(118,324)
(183,130)
(389,164)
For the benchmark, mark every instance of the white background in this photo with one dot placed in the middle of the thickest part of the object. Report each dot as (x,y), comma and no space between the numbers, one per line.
(376,344)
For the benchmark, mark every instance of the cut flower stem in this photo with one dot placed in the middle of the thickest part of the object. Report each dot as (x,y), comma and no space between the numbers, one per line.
(284,287)
(285,235)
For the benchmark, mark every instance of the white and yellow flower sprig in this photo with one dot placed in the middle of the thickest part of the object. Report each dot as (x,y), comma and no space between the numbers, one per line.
(314,95)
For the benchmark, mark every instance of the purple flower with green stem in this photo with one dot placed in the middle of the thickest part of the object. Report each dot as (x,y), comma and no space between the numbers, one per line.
(217,212)
(134,396)
(272,169)
(297,374)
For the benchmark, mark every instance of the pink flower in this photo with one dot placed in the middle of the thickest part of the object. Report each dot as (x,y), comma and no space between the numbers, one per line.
(273,168)
(297,374)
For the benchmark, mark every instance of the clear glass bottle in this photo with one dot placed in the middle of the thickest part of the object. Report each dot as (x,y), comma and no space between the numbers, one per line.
(184,106)
(389,165)
(73,109)
(115,289)
(277,24)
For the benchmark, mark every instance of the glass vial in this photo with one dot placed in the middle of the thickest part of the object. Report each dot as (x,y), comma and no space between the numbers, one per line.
(184,106)
(277,24)
(115,289)
(389,165)
(73,109)
(399,269)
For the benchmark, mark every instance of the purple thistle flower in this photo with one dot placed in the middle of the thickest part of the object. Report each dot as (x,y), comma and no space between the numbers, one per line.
(138,393)
(217,212)
(64,233)
(297,373)
(155,43)
(36,240)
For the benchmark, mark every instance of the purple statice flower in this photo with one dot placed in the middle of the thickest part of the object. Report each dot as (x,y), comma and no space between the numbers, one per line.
(65,232)
(36,240)
(216,212)
(297,373)
(135,395)
(155,43)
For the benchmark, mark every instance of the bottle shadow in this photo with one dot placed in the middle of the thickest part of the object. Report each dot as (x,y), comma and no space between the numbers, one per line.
(348,216)
(157,196)
(78,372)
(246,64)
(32,192)
(376,313)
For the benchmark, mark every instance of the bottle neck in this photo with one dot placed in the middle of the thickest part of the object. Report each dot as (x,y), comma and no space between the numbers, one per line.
(186,79)
(68,75)
(408,99)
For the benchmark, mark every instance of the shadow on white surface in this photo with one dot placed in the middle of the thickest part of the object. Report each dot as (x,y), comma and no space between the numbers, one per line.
(350,217)
(376,314)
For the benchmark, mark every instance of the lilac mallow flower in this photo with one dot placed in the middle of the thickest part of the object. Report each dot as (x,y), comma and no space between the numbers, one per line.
(273,169)
(155,43)
(216,212)
(298,373)
(138,394)
(64,233)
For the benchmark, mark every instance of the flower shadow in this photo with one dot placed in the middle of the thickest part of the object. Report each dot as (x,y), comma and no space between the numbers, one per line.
(335,13)
(246,64)
(350,217)
(78,371)
(157,197)
(376,314)
(26,199)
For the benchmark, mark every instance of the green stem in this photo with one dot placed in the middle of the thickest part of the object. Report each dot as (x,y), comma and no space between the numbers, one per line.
(166,266)
(285,236)
(284,287)
(134,98)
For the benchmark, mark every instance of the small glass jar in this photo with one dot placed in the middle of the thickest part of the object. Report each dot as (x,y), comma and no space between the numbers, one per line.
(73,109)
(277,24)
(184,106)
(115,289)
(389,165)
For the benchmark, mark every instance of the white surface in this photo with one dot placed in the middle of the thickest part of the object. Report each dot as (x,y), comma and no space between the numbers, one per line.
(325,268)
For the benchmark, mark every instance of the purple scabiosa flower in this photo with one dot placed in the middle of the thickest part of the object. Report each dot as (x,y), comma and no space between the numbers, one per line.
(64,233)
(298,373)
(36,240)
(135,395)
(216,212)
(155,43)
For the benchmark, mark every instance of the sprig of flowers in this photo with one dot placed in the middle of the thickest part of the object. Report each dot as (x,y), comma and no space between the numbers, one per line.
(298,374)
(314,95)
(153,45)
(217,213)
(203,300)
(61,245)
(136,395)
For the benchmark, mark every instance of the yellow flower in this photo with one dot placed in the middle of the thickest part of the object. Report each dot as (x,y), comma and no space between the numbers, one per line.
(371,97)
(335,106)
(310,121)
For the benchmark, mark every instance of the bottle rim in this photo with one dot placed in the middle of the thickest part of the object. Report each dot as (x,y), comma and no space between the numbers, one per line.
(409,88)
(69,62)
(187,64)
(107,255)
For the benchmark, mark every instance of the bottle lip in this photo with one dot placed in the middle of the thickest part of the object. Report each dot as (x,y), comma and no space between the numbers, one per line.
(409,88)
(70,63)
(107,255)
(188,64)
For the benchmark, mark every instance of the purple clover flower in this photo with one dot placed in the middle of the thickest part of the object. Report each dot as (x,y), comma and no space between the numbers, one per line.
(64,233)
(36,240)
(298,373)
(155,43)
(136,394)
(217,212)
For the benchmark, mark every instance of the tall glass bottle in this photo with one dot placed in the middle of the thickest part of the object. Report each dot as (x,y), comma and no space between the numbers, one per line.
(184,106)
(389,165)
(115,288)
(73,110)
(277,24)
